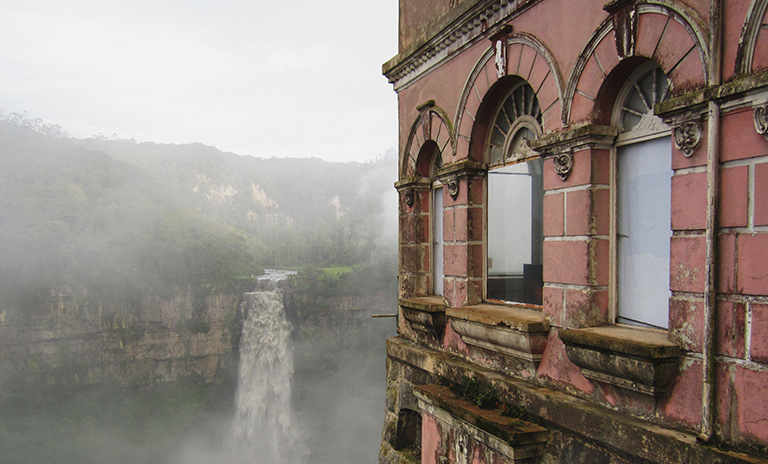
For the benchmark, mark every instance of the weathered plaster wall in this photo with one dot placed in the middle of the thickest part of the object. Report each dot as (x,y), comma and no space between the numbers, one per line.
(742,284)
(577,430)
(418,16)
(571,52)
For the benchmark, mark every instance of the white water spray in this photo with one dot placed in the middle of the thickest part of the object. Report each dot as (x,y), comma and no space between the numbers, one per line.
(265,428)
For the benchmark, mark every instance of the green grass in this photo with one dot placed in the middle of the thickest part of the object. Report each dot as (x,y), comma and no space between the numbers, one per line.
(336,272)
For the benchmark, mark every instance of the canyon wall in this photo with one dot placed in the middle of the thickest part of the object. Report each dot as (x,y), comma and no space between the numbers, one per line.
(68,338)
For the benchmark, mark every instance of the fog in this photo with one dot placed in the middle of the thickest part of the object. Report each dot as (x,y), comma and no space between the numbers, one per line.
(123,267)
(298,79)
(339,410)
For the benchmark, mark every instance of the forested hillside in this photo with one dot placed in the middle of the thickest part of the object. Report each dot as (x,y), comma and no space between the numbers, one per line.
(121,218)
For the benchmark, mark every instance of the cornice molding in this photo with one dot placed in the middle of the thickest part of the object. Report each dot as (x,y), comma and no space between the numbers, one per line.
(575,139)
(693,105)
(419,183)
(462,169)
(459,34)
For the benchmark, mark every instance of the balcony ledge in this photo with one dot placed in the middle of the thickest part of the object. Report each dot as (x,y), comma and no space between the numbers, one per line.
(425,315)
(632,358)
(513,331)
(514,439)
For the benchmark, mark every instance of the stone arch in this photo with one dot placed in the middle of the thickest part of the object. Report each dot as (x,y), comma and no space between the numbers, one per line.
(670,34)
(527,58)
(432,125)
(752,53)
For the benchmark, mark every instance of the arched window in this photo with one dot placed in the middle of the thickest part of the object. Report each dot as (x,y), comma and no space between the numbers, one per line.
(643,201)
(515,200)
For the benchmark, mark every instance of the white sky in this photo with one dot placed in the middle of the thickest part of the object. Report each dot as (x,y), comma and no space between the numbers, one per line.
(261,77)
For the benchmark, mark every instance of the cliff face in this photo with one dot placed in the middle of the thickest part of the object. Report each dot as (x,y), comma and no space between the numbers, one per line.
(72,339)
(69,338)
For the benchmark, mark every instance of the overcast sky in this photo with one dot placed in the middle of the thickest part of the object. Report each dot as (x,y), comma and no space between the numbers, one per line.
(260,77)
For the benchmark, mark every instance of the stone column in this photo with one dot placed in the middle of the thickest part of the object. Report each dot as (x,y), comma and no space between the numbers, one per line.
(577,225)
(463,231)
(414,227)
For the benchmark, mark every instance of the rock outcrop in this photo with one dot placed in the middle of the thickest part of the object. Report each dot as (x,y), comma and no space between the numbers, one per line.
(73,339)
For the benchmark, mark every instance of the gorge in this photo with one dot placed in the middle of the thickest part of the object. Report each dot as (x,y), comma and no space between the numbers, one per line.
(123,272)
(154,389)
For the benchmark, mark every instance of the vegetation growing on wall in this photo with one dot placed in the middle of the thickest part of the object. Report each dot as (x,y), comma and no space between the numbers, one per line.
(484,397)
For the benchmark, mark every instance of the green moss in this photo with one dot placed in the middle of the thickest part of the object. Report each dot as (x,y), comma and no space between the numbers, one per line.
(470,389)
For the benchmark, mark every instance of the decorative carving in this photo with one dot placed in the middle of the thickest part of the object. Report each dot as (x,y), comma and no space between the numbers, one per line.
(453,187)
(624,19)
(425,114)
(563,164)
(501,58)
(761,120)
(453,37)
(521,150)
(649,124)
(687,137)
(409,195)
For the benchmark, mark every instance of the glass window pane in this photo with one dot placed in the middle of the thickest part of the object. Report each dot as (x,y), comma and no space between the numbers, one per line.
(643,207)
(437,240)
(515,198)
(497,137)
(502,122)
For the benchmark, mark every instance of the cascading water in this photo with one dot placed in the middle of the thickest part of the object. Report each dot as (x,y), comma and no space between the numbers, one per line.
(265,428)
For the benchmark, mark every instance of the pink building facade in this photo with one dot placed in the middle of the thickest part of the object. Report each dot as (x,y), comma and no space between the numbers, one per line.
(583,232)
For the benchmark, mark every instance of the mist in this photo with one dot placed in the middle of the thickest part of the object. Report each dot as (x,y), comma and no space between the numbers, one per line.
(123,270)
(229,74)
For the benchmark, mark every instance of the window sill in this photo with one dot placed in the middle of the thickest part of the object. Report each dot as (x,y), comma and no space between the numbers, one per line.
(517,332)
(425,316)
(513,439)
(633,358)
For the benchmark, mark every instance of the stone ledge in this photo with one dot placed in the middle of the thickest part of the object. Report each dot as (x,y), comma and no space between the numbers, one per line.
(431,304)
(425,315)
(514,439)
(513,431)
(574,139)
(634,341)
(519,333)
(633,358)
(522,319)
(608,429)
(463,168)
(424,183)
(695,101)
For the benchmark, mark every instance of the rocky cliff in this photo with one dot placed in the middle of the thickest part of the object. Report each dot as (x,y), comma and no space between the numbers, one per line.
(77,340)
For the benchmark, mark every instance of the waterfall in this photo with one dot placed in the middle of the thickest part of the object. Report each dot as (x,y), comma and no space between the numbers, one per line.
(265,428)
